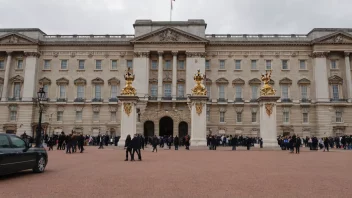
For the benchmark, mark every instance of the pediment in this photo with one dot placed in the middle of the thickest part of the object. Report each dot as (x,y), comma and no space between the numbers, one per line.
(113,81)
(254,81)
(181,80)
(16,39)
(97,81)
(169,35)
(335,80)
(335,38)
(153,80)
(80,81)
(62,81)
(285,81)
(17,78)
(222,81)
(304,81)
(238,81)
(208,81)
(45,81)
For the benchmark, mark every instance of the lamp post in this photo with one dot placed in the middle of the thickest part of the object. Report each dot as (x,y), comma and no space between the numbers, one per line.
(41,97)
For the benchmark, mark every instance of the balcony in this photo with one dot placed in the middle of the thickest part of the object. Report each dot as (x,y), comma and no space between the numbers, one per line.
(152,98)
(14,99)
(97,100)
(80,100)
(338,100)
(253,100)
(181,98)
(286,100)
(222,100)
(113,99)
(61,99)
(239,100)
(166,98)
(305,100)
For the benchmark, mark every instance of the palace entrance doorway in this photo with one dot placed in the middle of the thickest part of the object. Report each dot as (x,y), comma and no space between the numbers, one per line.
(182,129)
(166,126)
(148,129)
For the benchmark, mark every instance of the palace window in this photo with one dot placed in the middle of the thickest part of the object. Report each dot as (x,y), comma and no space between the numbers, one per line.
(284,91)
(46,64)
(254,92)
(238,91)
(167,90)
(154,90)
(113,64)
(19,64)
(221,91)
(284,64)
(222,64)
(333,64)
(304,92)
(154,64)
(181,64)
(113,91)
(81,64)
(254,117)
(207,64)
(96,115)
(305,117)
(2,64)
(338,116)
(64,64)
(62,90)
(335,91)
(78,115)
(222,116)
(13,115)
(208,113)
(302,65)
(98,91)
(59,116)
(253,64)
(237,64)
(129,64)
(268,64)
(98,64)
(80,91)
(180,90)
(46,90)
(17,90)
(167,65)
(239,117)
(208,87)
(113,116)
(286,116)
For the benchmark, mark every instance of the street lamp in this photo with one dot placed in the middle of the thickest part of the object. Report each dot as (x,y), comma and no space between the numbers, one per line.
(41,97)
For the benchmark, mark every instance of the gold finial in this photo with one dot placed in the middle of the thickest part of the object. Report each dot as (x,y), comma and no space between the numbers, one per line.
(267,89)
(199,89)
(129,90)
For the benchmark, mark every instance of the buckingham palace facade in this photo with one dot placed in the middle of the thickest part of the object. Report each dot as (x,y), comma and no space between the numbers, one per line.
(83,76)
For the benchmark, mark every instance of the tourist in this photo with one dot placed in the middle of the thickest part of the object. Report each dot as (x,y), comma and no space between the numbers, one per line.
(298,144)
(81,143)
(69,143)
(128,147)
(101,141)
(326,144)
(176,142)
(187,143)
(234,142)
(135,145)
(155,142)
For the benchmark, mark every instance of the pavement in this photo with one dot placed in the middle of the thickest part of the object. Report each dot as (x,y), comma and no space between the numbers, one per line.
(198,172)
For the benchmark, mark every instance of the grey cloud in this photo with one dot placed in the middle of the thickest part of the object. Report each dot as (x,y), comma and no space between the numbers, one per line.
(222,16)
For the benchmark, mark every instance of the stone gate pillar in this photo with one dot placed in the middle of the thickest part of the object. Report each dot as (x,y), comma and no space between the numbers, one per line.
(198,120)
(268,129)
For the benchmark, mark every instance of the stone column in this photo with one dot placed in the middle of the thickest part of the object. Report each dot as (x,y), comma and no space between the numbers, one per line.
(268,125)
(160,76)
(30,78)
(348,76)
(174,75)
(321,77)
(198,120)
(141,82)
(128,117)
(6,77)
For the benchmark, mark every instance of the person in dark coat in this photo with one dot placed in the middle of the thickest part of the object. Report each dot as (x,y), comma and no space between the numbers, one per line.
(298,144)
(155,142)
(128,147)
(101,141)
(234,142)
(176,142)
(135,145)
(187,143)
(248,142)
(81,143)
(68,143)
(326,144)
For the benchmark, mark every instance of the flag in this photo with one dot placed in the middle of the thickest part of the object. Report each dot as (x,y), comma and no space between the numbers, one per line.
(171,4)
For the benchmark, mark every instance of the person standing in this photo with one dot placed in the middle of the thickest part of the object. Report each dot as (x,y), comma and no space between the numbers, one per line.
(298,144)
(101,141)
(68,143)
(326,144)
(187,143)
(135,144)
(81,143)
(128,147)
(176,142)
(155,143)
(234,142)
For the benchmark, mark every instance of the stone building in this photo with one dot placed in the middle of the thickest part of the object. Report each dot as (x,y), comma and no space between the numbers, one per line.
(83,76)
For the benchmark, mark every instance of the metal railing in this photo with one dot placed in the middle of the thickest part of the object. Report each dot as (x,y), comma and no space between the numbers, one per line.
(14,99)
(61,99)
(181,98)
(286,100)
(166,98)
(113,100)
(79,100)
(222,100)
(239,100)
(152,98)
(338,100)
(305,100)
(97,100)
(256,36)
(88,36)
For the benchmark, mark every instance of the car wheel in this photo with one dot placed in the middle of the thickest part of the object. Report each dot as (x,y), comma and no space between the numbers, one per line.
(40,165)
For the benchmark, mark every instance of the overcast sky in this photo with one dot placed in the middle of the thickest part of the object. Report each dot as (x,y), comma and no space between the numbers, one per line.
(222,16)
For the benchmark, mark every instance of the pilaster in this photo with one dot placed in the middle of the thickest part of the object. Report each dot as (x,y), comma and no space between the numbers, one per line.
(141,62)
(29,87)
(348,76)
(174,75)
(160,76)
(321,76)
(6,77)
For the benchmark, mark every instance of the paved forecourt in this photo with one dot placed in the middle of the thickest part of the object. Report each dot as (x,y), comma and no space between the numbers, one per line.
(195,173)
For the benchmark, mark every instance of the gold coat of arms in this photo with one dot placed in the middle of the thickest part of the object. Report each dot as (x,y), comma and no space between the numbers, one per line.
(127,107)
(199,108)
(269,108)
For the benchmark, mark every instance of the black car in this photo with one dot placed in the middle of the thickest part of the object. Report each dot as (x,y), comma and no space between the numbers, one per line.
(17,155)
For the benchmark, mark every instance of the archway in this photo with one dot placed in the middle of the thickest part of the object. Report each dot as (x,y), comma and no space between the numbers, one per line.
(182,129)
(112,132)
(148,129)
(166,126)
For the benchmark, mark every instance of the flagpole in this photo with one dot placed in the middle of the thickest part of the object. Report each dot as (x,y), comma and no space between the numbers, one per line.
(170,10)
